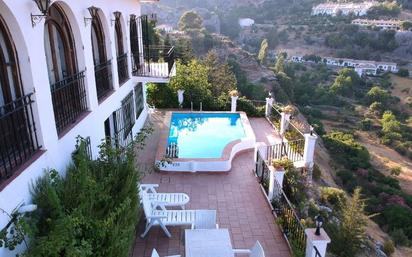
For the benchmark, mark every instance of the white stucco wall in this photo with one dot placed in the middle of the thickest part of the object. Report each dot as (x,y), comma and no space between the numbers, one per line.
(29,43)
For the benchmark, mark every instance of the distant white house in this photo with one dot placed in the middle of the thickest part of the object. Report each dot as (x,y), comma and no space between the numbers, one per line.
(165,27)
(362,67)
(246,22)
(383,24)
(333,9)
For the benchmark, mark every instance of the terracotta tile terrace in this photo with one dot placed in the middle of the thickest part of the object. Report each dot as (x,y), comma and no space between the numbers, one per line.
(236,195)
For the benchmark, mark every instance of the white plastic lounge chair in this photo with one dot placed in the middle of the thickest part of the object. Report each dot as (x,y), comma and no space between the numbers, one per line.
(155,254)
(255,251)
(165,217)
(168,199)
(205,219)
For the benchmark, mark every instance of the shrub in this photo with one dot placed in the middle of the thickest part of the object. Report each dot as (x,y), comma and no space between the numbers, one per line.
(247,106)
(403,72)
(93,211)
(347,151)
(388,247)
(365,124)
(396,171)
(399,237)
(333,196)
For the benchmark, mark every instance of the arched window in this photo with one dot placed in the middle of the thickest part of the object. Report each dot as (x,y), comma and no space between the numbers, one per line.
(18,139)
(66,83)
(122,67)
(134,44)
(59,46)
(102,66)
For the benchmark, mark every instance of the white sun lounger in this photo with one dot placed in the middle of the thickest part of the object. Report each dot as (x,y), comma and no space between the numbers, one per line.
(255,251)
(168,199)
(163,217)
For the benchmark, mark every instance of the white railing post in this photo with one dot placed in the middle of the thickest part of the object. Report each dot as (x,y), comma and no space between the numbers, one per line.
(284,122)
(269,105)
(275,180)
(320,242)
(180,97)
(234,103)
(309,153)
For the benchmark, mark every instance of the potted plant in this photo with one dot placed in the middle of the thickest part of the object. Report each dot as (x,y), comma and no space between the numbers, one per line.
(289,109)
(282,164)
(234,93)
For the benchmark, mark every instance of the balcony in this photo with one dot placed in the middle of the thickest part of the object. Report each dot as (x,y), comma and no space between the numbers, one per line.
(18,138)
(103,75)
(122,68)
(155,62)
(69,100)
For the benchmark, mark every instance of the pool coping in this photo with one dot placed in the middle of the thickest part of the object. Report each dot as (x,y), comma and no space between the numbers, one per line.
(227,154)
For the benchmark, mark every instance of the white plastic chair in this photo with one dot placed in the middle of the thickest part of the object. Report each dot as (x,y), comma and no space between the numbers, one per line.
(155,254)
(255,251)
(205,219)
(167,199)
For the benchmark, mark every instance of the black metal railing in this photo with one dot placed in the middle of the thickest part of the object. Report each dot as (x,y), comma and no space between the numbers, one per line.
(18,135)
(292,150)
(275,116)
(103,75)
(69,100)
(122,68)
(287,218)
(155,61)
(262,170)
(317,253)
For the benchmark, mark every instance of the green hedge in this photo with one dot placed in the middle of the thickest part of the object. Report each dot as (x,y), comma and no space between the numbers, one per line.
(92,211)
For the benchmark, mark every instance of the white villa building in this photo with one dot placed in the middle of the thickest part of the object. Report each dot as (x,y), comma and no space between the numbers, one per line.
(362,67)
(333,9)
(246,22)
(383,24)
(69,68)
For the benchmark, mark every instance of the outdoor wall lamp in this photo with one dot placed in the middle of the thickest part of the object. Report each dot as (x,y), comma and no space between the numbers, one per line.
(93,14)
(117,15)
(319,223)
(43,6)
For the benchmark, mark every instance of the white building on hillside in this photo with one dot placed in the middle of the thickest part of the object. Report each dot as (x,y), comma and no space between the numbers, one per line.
(246,22)
(362,67)
(383,24)
(333,9)
(72,68)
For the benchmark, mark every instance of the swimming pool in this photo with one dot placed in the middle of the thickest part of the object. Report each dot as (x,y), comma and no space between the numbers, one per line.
(206,141)
(204,135)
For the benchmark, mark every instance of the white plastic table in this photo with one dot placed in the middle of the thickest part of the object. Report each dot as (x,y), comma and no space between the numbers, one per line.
(208,243)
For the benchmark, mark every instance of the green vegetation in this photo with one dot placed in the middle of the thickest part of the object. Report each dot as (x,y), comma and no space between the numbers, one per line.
(396,134)
(348,235)
(345,83)
(190,20)
(92,211)
(403,72)
(263,52)
(390,9)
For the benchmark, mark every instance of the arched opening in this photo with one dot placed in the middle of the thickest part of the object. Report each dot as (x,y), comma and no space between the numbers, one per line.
(18,139)
(102,66)
(66,83)
(134,44)
(122,67)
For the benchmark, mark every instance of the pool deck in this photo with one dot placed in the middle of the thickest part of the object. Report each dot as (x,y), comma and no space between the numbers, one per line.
(236,195)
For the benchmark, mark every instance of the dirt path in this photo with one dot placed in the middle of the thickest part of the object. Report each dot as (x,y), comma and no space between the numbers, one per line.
(385,158)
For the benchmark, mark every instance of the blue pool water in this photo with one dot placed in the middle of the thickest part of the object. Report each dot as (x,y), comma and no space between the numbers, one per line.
(204,135)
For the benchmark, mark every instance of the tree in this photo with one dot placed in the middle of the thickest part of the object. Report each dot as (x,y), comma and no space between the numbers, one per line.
(377,94)
(390,123)
(280,64)
(193,78)
(345,82)
(349,233)
(190,20)
(263,51)
(406,25)
(221,78)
